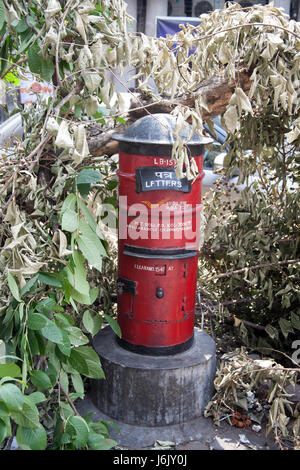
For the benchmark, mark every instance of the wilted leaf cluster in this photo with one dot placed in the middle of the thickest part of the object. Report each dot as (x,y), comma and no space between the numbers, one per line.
(257,388)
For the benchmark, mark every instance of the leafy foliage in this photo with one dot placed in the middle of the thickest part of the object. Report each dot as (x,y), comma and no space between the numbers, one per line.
(55,277)
(256,387)
(252,253)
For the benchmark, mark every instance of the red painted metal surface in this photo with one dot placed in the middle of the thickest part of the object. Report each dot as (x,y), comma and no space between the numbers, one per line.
(163,218)
(158,227)
(158,322)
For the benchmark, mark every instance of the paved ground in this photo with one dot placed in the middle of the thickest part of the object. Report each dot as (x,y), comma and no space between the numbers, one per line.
(225,437)
(201,434)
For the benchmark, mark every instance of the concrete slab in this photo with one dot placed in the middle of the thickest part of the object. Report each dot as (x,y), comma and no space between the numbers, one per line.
(139,437)
(159,391)
(200,434)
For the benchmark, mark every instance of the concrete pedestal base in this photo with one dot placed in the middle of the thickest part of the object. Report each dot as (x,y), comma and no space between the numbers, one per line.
(164,394)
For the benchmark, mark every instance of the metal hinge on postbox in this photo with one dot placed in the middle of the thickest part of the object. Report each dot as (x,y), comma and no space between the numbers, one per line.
(126,285)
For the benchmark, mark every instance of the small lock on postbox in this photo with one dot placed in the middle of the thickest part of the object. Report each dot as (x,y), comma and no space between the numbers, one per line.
(159,221)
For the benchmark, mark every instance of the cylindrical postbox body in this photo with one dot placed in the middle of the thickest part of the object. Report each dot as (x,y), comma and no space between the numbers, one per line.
(159,218)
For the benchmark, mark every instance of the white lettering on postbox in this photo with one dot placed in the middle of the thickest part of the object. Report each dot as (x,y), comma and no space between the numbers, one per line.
(164,162)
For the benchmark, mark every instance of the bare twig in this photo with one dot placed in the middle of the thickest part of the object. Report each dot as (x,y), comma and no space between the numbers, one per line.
(73,92)
(7,183)
(24,59)
(250,268)
(68,398)
(68,7)
(284,369)
(246,322)
(277,351)
(245,25)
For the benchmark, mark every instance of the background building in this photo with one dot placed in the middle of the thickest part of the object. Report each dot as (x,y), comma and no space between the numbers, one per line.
(146,11)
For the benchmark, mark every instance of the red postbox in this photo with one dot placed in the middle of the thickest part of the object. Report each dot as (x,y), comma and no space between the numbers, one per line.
(159,217)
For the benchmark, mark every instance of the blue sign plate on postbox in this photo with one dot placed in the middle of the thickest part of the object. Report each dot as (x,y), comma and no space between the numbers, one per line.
(160,178)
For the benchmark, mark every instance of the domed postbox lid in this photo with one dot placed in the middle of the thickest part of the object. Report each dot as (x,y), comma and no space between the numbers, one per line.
(154,135)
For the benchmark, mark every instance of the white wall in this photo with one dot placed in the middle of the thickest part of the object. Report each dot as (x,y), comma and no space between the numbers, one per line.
(128,72)
(286,4)
(154,8)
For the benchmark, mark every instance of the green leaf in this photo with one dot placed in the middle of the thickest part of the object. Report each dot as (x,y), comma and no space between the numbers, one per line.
(33,343)
(77,426)
(35,59)
(113,324)
(28,416)
(94,293)
(78,110)
(98,442)
(87,362)
(272,332)
(112,184)
(295,320)
(92,323)
(77,382)
(12,396)
(80,298)
(49,279)
(66,410)
(88,215)
(77,278)
(65,347)
(73,303)
(2,15)
(110,423)
(46,306)
(35,439)
(65,319)
(76,336)
(26,38)
(90,245)
(9,315)
(52,373)
(36,321)
(47,70)
(78,362)
(37,397)
(64,380)
(285,327)
(4,411)
(89,176)
(29,285)
(69,203)
(52,332)
(13,287)
(40,380)
(99,427)
(122,121)
(69,221)
(84,189)
(21,26)
(3,430)
(10,370)
(41,343)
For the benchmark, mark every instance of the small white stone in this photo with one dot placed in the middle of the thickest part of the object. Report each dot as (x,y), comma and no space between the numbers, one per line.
(256,427)
(243,439)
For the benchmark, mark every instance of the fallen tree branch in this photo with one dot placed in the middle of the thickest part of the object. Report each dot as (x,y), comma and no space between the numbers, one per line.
(257,266)
(230,319)
(216,92)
